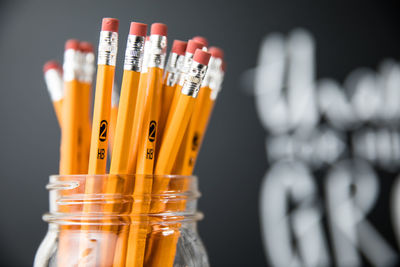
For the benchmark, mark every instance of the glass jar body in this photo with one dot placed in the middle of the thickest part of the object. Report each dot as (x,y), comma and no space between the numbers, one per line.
(106,220)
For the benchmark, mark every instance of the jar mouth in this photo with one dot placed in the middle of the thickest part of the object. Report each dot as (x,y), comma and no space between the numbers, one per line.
(166,218)
(122,199)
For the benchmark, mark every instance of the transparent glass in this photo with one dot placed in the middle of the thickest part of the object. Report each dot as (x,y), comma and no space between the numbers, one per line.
(122,220)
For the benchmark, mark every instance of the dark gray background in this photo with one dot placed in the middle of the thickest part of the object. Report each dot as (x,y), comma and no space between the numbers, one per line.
(232,162)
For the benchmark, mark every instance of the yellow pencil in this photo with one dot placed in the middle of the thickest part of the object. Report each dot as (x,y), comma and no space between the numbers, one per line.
(202,112)
(69,156)
(86,79)
(54,82)
(173,69)
(123,133)
(139,109)
(146,151)
(163,252)
(108,45)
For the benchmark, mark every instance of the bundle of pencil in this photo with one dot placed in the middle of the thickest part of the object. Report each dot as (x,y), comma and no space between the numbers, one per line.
(155,127)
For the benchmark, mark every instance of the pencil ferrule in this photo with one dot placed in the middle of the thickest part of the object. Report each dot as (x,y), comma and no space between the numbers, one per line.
(134,53)
(216,84)
(158,48)
(108,47)
(193,79)
(187,62)
(54,82)
(173,68)
(72,65)
(88,67)
(214,66)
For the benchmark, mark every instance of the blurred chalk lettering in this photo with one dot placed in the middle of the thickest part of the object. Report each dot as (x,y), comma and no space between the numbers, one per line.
(320,132)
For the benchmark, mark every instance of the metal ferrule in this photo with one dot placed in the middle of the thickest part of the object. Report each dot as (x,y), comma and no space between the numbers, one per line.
(158,49)
(214,66)
(193,79)
(213,73)
(216,84)
(88,67)
(134,53)
(72,65)
(187,62)
(108,47)
(146,56)
(173,68)
(54,82)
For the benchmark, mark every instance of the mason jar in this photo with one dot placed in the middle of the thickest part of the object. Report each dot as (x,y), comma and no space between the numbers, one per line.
(122,220)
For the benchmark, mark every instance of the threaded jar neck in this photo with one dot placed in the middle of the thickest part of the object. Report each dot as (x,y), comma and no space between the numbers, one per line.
(122,199)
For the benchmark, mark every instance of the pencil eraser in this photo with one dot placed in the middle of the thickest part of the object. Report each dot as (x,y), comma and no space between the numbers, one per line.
(52,64)
(216,52)
(72,44)
(147,38)
(86,47)
(201,57)
(110,25)
(201,39)
(179,47)
(192,45)
(138,29)
(159,29)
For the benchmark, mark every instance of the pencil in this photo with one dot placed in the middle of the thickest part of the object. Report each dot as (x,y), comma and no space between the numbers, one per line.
(108,45)
(139,108)
(171,76)
(162,253)
(202,112)
(69,149)
(70,156)
(54,82)
(191,47)
(106,60)
(123,132)
(147,143)
(86,80)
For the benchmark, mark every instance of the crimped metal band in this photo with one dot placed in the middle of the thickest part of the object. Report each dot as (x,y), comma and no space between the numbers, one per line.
(187,62)
(134,53)
(216,85)
(173,68)
(193,79)
(54,82)
(88,67)
(158,49)
(146,56)
(108,47)
(72,65)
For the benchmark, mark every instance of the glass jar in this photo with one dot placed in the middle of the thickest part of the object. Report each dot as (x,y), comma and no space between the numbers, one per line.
(122,220)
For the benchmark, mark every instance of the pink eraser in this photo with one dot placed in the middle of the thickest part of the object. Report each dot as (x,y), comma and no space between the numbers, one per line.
(201,57)
(72,44)
(216,52)
(110,25)
(179,47)
(147,38)
(192,45)
(158,29)
(201,40)
(52,64)
(138,29)
(86,47)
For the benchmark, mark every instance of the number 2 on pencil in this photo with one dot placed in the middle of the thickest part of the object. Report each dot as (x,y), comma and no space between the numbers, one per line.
(103,131)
